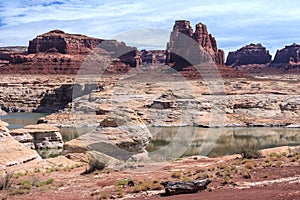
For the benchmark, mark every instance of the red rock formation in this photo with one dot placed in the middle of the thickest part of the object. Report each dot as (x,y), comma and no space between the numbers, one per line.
(57,52)
(61,42)
(187,48)
(249,54)
(287,54)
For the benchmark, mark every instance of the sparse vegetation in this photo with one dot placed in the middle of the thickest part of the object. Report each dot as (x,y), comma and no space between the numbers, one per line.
(226,180)
(122,182)
(104,195)
(176,174)
(6,181)
(94,164)
(142,186)
(250,165)
(43,183)
(250,152)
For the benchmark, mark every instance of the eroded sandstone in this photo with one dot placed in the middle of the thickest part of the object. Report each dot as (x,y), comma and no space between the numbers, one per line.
(12,152)
(40,136)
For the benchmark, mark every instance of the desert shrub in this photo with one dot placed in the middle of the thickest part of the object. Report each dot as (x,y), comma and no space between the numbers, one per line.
(143,186)
(124,182)
(250,151)
(6,181)
(26,185)
(94,164)
(176,174)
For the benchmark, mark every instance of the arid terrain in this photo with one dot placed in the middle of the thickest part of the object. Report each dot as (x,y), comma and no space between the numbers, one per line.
(118,94)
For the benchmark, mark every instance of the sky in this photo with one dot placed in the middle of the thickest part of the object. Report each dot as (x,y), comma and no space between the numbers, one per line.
(147,24)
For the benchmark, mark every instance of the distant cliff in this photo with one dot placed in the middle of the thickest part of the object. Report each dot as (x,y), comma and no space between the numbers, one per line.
(57,52)
(249,54)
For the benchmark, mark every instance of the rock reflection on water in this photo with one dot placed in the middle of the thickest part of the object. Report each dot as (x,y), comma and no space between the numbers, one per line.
(19,119)
(218,142)
(70,133)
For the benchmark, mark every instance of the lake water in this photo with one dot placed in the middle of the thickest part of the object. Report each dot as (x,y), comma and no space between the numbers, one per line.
(19,120)
(183,141)
(213,142)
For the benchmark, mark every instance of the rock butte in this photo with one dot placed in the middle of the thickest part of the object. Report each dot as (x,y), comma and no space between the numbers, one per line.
(249,54)
(183,39)
(57,52)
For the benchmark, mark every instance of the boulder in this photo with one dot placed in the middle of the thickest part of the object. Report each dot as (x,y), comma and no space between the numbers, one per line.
(40,136)
(11,151)
(249,54)
(173,188)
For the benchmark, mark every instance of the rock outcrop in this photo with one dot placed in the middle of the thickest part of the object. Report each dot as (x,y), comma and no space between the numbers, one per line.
(39,93)
(41,136)
(120,136)
(12,152)
(289,54)
(249,54)
(57,41)
(188,48)
(57,52)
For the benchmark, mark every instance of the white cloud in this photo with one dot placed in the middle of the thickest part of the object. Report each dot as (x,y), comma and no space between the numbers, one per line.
(234,23)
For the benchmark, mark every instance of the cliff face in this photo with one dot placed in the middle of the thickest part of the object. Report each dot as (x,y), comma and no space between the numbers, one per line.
(187,48)
(289,54)
(57,52)
(249,54)
(61,42)
(209,43)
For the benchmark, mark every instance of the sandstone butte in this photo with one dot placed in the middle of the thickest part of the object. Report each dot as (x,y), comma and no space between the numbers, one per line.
(249,54)
(57,52)
(195,53)
(255,58)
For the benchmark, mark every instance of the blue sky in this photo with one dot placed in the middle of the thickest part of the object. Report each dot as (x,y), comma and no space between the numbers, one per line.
(147,24)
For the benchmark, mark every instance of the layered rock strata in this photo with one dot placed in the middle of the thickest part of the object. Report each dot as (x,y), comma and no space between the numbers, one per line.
(120,136)
(12,152)
(57,52)
(41,136)
(249,54)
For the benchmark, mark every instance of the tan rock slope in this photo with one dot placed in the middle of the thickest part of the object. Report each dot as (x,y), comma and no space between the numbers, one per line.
(12,152)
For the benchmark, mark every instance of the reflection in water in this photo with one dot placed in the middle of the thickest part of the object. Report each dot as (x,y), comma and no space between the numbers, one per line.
(221,142)
(173,142)
(19,120)
(72,133)
(67,135)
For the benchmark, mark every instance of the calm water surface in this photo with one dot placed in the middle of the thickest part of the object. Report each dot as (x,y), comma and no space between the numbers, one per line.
(182,141)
